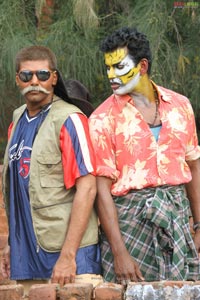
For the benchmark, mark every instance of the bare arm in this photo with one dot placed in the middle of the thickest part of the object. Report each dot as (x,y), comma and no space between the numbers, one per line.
(124,265)
(193,192)
(65,269)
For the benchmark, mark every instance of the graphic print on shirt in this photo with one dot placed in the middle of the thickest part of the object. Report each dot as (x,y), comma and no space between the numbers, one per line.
(16,153)
(21,144)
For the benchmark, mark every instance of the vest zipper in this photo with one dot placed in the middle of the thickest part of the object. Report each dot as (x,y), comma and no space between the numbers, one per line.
(37,248)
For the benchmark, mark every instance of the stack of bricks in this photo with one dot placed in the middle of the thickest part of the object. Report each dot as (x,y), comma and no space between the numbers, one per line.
(3,225)
(104,291)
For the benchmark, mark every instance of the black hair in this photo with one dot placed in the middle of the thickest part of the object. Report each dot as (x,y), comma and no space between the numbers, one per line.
(35,52)
(135,41)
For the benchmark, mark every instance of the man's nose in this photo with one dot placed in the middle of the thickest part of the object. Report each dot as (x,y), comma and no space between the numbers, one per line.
(34,80)
(111,73)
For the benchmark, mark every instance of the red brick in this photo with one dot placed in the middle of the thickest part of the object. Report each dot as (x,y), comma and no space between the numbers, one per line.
(2,210)
(43,291)
(109,291)
(11,292)
(3,241)
(76,291)
(3,218)
(4,281)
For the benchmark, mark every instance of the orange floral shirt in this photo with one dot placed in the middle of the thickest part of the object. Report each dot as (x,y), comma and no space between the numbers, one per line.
(126,150)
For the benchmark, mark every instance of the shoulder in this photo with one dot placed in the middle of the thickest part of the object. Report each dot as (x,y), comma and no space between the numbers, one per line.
(171,96)
(77,122)
(104,107)
(18,111)
(176,101)
(77,117)
(60,104)
(61,110)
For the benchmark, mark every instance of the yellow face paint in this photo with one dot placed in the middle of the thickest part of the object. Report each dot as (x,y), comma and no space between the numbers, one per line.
(122,71)
(130,75)
(145,88)
(113,58)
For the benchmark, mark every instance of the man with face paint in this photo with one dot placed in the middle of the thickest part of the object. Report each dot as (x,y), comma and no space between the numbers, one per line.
(148,170)
(49,183)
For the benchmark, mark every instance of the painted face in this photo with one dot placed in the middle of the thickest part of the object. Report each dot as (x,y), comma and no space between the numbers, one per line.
(122,72)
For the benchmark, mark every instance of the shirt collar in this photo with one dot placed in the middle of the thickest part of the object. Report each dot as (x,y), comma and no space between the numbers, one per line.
(163,94)
(121,100)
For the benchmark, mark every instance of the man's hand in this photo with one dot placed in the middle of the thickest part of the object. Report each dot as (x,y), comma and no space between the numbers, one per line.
(64,271)
(126,269)
(197,240)
(5,262)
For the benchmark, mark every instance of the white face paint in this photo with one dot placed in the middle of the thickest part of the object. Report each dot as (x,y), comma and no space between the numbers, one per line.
(122,72)
(129,87)
(124,67)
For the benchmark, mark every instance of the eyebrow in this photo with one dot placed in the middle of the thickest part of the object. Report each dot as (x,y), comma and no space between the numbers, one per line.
(115,65)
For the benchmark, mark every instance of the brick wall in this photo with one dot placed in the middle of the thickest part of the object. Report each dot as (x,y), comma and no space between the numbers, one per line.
(169,290)
(3,225)
(95,288)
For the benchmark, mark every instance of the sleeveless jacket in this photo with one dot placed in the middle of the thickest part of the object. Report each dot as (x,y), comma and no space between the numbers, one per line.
(50,201)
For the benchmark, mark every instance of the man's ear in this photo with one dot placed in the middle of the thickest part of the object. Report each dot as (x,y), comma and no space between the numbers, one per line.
(17,79)
(55,78)
(144,64)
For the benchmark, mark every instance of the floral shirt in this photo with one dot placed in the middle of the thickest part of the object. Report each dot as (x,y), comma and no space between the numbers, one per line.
(127,151)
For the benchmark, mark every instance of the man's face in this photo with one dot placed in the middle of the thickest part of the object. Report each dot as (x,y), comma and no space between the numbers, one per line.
(122,72)
(37,88)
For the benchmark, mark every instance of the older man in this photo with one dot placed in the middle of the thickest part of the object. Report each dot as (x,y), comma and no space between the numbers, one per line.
(49,183)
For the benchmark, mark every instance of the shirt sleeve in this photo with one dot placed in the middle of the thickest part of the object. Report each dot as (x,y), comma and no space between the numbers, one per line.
(9,130)
(192,148)
(101,134)
(77,152)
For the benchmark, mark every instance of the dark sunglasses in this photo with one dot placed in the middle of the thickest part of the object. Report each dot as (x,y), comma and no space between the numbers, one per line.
(42,75)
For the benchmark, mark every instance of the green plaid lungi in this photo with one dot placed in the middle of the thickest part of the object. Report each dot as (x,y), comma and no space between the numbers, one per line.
(154,223)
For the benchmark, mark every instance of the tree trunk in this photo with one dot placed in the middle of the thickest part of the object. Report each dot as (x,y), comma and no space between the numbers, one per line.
(44,14)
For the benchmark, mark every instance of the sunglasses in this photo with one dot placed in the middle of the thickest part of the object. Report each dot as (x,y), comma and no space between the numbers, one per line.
(42,75)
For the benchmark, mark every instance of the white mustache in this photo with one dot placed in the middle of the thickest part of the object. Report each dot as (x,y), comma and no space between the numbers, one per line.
(34,88)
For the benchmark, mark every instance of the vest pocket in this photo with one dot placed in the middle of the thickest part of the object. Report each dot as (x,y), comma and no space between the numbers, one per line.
(50,225)
(50,170)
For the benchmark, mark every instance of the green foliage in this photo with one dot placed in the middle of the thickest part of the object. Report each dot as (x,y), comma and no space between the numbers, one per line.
(2,148)
(17,29)
(74,38)
(74,30)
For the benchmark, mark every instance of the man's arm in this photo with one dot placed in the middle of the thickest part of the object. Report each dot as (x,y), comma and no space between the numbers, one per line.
(65,268)
(124,265)
(193,192)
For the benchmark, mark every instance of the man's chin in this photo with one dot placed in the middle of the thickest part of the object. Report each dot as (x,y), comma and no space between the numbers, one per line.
(123,90)
(119,92)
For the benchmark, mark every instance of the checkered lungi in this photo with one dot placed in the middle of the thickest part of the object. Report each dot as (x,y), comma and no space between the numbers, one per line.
(154,223)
